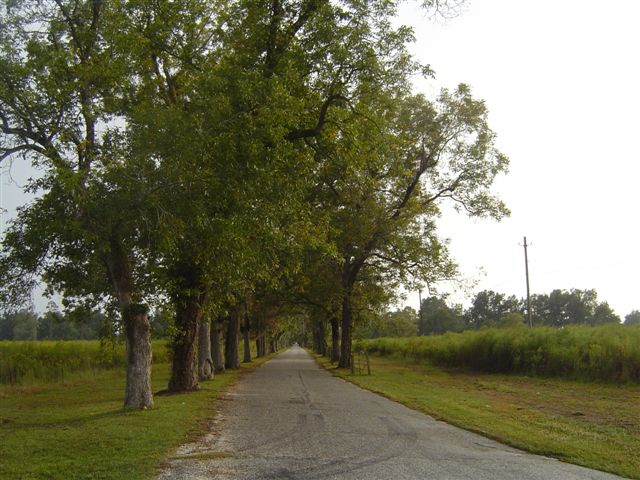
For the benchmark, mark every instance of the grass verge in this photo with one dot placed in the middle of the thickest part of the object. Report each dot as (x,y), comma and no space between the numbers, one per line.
(591,424)
(78,430)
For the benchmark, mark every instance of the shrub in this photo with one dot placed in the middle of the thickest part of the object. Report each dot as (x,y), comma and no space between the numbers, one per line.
(609,352)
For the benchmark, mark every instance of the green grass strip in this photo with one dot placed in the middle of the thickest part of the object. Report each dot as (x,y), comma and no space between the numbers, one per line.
(596,425)
(78,430)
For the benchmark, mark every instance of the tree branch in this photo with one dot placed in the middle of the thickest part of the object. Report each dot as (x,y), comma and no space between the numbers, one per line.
(322,118)
(7,152)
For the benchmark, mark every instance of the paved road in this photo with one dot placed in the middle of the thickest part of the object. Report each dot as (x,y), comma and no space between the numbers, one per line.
(290,419)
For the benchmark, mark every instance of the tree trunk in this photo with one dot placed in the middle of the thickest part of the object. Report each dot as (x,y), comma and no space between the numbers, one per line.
(184,374)
(258,322)
(322,332)
(347,320)
(216,346)
(335,340)
(261,345)
(231,358)
(316,337)
(245,336)
(138,390)
(272,345)
(205,362)
(319,335)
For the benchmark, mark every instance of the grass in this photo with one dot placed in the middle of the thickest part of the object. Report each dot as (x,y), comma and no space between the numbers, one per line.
(78,429)
(610,352)
(44,362)
(591,424)
(35,363)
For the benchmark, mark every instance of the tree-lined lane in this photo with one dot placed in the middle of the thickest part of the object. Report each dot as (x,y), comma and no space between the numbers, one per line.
(293,420)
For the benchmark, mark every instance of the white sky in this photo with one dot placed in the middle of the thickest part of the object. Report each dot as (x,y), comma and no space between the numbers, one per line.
(560,79)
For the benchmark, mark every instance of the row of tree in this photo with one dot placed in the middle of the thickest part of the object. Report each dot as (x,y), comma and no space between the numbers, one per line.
(242,164)
(26,324)
(488,309)
(493,309)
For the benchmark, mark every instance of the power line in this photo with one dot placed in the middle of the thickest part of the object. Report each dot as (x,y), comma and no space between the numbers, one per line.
(511,280)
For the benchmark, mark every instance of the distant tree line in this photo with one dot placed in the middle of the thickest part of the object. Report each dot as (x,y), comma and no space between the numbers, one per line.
(493,309)
(396,323)
(488,309)
(76,324)
(497,310)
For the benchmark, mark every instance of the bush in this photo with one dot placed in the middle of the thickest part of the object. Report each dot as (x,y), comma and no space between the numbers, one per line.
(609,352)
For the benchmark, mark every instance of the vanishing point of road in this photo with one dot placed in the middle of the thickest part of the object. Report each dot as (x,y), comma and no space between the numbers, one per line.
(290,419)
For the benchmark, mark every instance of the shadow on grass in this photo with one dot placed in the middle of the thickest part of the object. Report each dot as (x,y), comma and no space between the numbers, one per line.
(66,422)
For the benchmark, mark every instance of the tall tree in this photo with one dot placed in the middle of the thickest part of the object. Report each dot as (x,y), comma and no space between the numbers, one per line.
(413,156)
(58,82)
(437,317)
(488,307)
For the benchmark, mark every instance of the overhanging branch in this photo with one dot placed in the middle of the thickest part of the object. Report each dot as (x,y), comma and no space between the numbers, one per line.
(322,119)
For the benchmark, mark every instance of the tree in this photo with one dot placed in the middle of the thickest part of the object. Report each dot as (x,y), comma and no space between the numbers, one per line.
(580,305)
(575,306)
(632,318)
(24,323)
(388,201)
(437,317)
(59,85)
(54,326)
(604,314)
(216,345)
(396,323)
(488,307)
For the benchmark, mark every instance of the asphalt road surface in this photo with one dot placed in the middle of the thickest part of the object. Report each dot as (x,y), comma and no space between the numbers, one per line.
(290,419)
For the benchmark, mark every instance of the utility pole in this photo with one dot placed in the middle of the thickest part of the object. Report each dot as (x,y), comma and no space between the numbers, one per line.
(526,269)
(419,310)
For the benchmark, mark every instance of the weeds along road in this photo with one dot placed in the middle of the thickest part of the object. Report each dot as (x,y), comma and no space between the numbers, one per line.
(290,419)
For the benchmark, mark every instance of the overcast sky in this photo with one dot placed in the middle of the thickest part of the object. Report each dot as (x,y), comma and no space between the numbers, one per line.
(560,79)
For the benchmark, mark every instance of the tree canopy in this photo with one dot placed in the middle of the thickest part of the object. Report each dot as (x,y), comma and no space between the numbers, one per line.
(231,161)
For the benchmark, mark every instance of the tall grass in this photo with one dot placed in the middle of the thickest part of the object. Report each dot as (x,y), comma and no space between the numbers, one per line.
(26,362)
(609,353)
